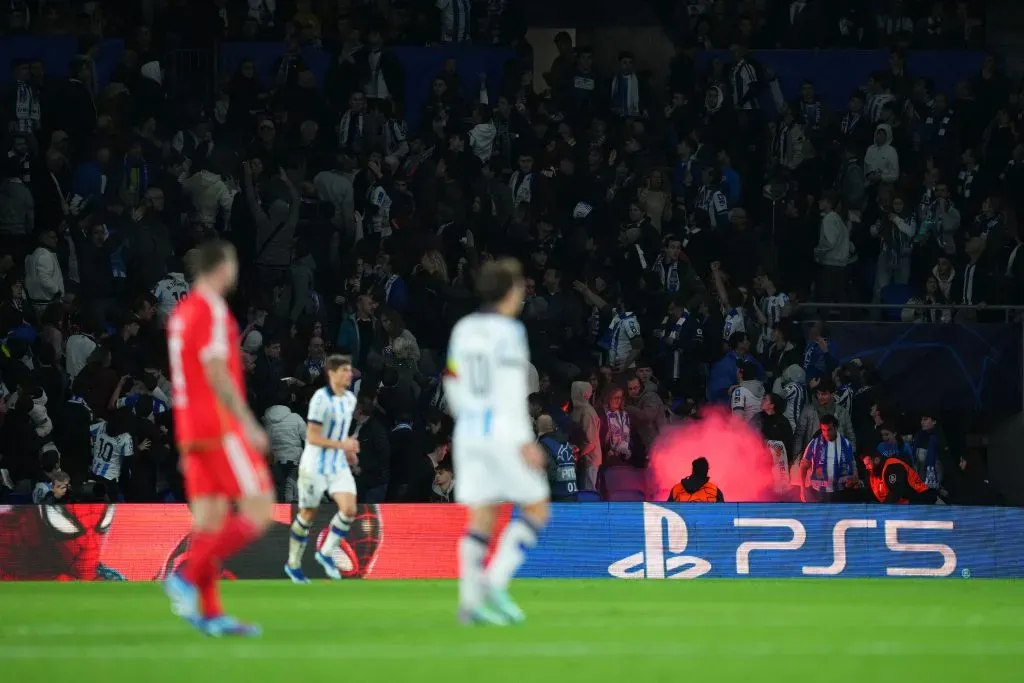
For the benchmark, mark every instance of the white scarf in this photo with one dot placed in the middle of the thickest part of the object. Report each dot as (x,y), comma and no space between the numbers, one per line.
(524,192)
(668,275)
(345,126)
(26,108)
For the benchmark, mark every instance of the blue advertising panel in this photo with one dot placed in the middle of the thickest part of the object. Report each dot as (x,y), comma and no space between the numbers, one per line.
(673,541)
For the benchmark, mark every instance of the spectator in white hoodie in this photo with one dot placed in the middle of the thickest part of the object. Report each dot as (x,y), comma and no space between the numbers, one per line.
(287,432)
(44,281)
(881,162)
(834,251)
(482,135)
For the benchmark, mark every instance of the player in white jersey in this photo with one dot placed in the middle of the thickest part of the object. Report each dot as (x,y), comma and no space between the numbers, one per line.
(495,454)
(169,292)
(325,467)
(111,444)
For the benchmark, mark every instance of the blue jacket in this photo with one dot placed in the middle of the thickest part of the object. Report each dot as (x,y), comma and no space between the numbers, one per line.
(89,181)
(818,363)
(723,376)
(732,186)
(561,465)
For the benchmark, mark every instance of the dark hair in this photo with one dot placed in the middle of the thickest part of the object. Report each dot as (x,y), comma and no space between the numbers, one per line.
(748,369)
(49,460)
(825,385)
(143,406)
(497,279)
(736,338)
(829,421)
(700,467)
(210,255)
(336,361)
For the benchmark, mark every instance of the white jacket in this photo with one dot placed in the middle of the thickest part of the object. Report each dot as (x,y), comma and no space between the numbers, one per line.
(481,140)
(883,158)
(44,281)
(210,197)
(287,432)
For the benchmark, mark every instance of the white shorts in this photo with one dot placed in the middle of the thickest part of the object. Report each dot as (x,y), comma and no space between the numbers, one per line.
(487,473)
(313,486)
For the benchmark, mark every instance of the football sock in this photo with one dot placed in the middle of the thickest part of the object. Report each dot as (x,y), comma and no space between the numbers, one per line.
(209,595)
(297,542)
(236,533)
(338,530)
(199,563)
(472,552)
(520,535)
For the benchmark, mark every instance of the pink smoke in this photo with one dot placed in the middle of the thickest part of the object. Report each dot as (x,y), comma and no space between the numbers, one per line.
(739,461)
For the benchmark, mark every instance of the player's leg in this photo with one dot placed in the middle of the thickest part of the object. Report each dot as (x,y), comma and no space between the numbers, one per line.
(518,538)
(529,489)
(343,491)
(250,484)
(311,490)
(189,587)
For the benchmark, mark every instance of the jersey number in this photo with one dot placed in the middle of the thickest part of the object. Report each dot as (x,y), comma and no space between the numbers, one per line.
(106,451)
(478,376)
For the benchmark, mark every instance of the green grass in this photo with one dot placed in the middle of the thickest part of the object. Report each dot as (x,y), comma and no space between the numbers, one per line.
(754,631)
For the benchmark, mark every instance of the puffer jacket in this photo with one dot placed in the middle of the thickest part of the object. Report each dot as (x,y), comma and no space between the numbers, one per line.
(287,432)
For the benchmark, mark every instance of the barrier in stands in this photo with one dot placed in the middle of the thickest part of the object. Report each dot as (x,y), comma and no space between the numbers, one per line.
(420,64)
(620,540)
(937,366)
(835,73)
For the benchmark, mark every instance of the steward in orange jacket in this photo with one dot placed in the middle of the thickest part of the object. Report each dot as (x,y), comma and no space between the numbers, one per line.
(893,481)
(696,488)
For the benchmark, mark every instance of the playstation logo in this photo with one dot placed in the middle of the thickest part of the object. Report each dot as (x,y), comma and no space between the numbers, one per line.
(665,539)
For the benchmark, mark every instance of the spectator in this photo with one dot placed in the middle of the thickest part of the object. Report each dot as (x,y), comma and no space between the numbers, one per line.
(930,453)
(892,480)
(44,281)
(373,473)
(971,486)
(561,465)
(828,459)
(287,432)
(444,483)
(617,439)
(823,405)
(778,437)
(586,434)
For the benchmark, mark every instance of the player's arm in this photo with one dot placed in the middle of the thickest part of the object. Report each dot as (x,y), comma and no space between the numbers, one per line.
(315,437)
(219,376)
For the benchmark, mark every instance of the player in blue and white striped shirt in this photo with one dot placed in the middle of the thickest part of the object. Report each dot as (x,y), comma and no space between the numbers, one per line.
(325,466)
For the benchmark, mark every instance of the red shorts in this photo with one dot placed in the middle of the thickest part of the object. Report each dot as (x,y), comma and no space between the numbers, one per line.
(233,471)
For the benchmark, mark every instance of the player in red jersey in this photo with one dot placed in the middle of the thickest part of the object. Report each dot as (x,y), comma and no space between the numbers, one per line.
(221,443)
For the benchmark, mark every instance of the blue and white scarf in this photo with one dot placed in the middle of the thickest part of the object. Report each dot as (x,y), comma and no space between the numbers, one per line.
(811,113)
(668,274)
(832,463)
(351,137)
(625,95)
(925,449)
(618,431)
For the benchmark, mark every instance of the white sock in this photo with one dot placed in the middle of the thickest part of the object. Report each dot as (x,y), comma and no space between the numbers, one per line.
(297,542)
(338,530)
(520,535)
(472,552)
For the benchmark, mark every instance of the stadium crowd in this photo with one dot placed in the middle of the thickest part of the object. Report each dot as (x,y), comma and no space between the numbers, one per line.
(670,236)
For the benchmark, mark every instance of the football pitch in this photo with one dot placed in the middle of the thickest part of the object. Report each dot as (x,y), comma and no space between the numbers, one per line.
(755,631)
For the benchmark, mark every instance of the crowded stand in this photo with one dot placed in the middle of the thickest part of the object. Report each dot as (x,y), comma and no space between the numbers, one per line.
(693,233)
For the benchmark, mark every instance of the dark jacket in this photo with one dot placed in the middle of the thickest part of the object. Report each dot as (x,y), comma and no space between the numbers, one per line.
(374,455)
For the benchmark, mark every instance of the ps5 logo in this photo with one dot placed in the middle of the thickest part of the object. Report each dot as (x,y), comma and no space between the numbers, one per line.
(665,541)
